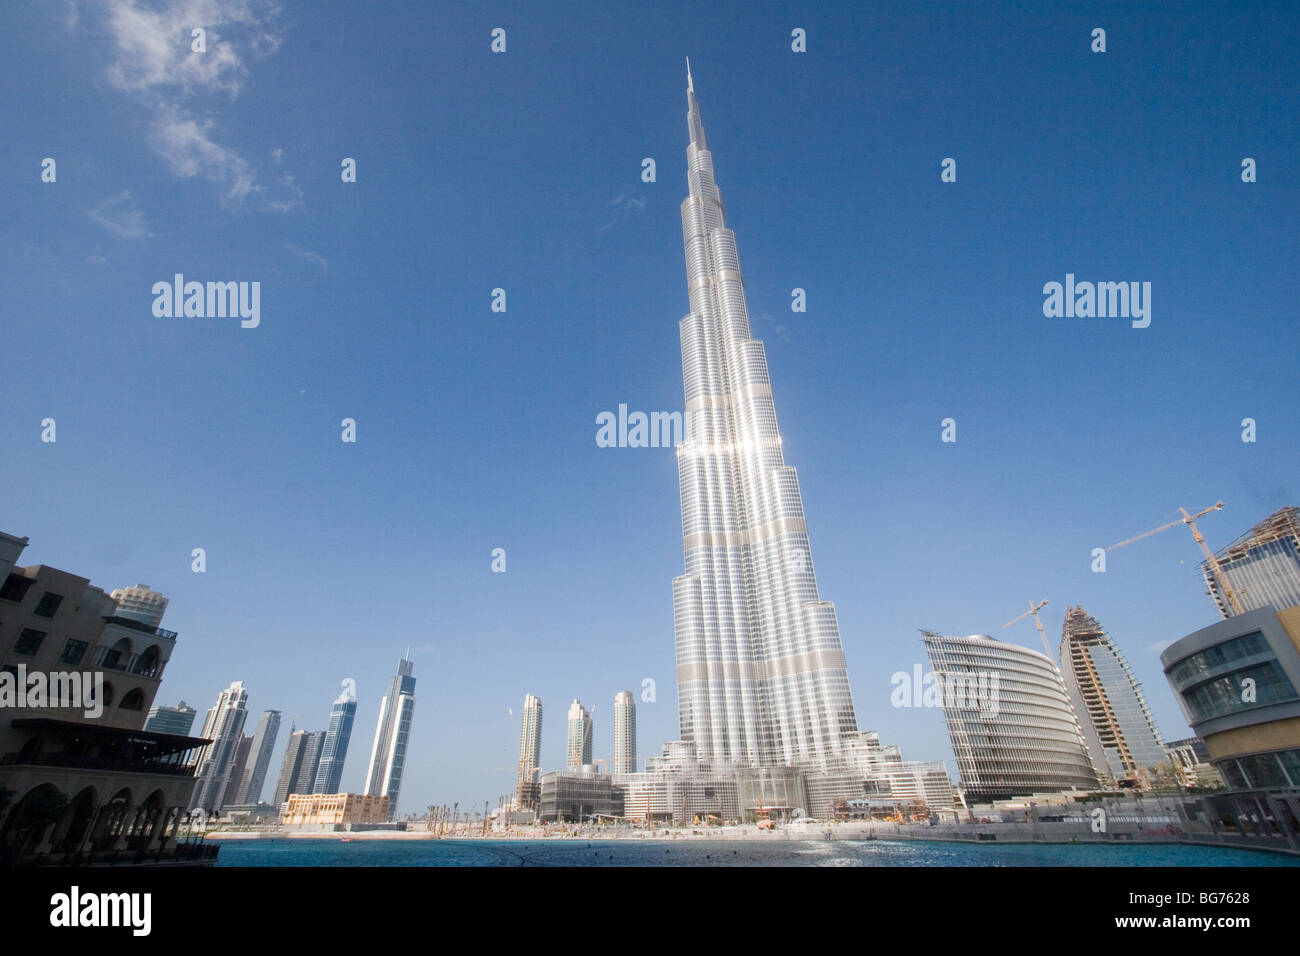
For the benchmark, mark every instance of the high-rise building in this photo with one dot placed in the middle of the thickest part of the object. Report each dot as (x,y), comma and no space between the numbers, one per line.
(624,733)
(579,748)
(1122,736)
(527,784)
(235,788)
(140,604)
(301,761)
(224,726)
(334,751)
(760,668)
(253,775)
(171,720)
(392,734)
(1009,717)
(1262,566)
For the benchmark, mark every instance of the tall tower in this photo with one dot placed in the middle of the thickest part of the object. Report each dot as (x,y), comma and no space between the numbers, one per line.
(388,755)
(579,749)
(253,776)
(1113,714)
(761,678)
(530,748)
(334,751)
(301,759)
(224,726)
(624,733)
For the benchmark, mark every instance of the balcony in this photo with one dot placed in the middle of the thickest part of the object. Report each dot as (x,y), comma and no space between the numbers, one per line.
(84,762)
(148,664)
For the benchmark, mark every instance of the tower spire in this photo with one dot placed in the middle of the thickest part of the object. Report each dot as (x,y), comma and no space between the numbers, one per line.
(690,84)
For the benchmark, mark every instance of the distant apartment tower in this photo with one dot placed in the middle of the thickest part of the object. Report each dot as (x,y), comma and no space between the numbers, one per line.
(1262,566)
(252,776)
(301,761)
(527,785)
(234,788)
(224,726)
(624,733)
(140,604)
(171,720)
(334,751)
(580,726)
(1021,739)
(392,734)
(1122,736)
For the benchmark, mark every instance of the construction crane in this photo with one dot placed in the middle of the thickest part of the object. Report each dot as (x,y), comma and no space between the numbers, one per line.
(1034,609)
(1210,559)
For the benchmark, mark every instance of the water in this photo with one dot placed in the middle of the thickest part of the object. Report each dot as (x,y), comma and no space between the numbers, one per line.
(579,852)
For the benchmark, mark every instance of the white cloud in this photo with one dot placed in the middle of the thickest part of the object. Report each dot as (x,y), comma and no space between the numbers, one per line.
(1158,646)
(119,215)
(307,255)
(153,62)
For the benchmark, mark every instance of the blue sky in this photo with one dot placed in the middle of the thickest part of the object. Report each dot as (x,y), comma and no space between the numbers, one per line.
(476,430)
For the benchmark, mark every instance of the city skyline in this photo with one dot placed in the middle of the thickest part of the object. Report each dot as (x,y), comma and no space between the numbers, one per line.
(923,303)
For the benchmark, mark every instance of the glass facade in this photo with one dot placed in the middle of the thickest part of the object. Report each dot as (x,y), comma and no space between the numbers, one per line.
(1117,725)
(1031,741)
(760,668)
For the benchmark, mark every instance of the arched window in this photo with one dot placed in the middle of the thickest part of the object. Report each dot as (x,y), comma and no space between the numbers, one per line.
(134,700)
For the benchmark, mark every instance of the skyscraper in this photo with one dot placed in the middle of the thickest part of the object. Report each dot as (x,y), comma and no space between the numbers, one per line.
(760,668)
(140,604)
(388,754)
(1012,728)
(579,749)
(224,726)
(238,761)
(253,775)
(301,761)
(527,791)
(1262,566)
(624,733)
(1108,700)
(334,751)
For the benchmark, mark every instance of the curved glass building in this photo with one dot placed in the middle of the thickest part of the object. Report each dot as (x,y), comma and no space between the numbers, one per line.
(1121,734)
(760,669)
(1026,738)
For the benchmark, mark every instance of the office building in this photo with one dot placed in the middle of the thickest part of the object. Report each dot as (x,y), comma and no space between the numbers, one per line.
(579,795)
(301,761)
(1121,734)
(580,731)
(392,735)
(1016,734)
(171,720)
(252,777)
(334,750)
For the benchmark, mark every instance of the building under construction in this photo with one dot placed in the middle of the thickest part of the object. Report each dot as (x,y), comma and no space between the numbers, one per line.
(1262,567)
(1122,736)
